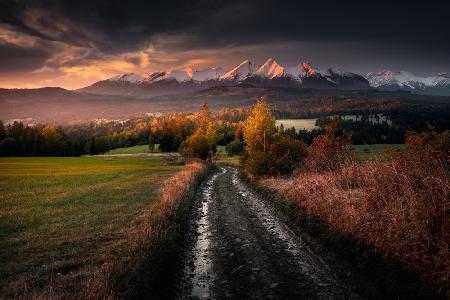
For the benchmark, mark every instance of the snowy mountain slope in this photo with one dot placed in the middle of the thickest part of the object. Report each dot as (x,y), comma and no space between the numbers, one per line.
(180,75)
(271,69)
(240,72)
(127,77)
(389,80)
(270,74)
(186,74)
(310,76)
(154,76)
(207,74)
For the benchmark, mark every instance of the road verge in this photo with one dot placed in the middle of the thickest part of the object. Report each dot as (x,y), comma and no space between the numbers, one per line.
(345,253)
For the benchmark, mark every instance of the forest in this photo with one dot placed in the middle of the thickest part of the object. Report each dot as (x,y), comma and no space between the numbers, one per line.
(171,129)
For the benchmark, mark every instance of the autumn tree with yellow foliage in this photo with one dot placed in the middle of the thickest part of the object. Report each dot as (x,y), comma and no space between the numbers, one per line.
(259,128)
(203,143)
(268,152)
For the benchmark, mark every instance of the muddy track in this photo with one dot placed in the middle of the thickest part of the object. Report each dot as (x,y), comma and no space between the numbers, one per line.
(241,249)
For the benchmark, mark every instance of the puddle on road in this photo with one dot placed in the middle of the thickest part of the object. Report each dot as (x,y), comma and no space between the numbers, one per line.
(200,276)
(266,217)
(310,265)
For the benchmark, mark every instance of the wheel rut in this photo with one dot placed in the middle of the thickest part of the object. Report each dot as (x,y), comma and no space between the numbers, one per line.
(241,249)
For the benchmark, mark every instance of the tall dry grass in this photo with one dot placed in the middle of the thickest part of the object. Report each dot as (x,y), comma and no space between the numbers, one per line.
(144,237)
(399,206)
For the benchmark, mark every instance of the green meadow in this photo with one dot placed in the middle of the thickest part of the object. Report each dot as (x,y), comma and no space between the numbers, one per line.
(133,150)
(298,124)
(65,216)
(374,151)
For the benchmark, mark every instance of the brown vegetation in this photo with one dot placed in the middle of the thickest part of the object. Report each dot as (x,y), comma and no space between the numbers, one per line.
(399,206)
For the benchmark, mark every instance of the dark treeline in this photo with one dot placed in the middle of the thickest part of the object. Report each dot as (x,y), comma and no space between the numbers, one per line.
(18,139)
(388,128)
(365,130)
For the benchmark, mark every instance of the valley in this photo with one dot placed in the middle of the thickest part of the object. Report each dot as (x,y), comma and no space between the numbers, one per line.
(59,106)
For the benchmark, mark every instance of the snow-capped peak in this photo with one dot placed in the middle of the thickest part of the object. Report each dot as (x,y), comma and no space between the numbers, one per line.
(207,74)
(390,78)
(128,77)
(404,79)
(270,69)
(180,75)
(308,69)
(340,72)
(241,71)
(302,70)
(155,76)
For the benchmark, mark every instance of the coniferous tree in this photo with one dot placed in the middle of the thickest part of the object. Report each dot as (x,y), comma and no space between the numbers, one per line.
(2,131)
(92,147)
(151,142)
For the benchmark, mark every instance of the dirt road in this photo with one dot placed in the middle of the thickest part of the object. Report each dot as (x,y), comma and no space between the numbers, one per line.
(241,249)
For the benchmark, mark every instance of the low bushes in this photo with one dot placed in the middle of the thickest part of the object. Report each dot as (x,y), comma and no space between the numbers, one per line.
(195,146)
(235,147)
(282,156)
(267,151)
(399,206)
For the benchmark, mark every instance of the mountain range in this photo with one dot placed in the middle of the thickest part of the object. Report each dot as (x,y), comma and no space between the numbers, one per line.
(402,80)
(269,74)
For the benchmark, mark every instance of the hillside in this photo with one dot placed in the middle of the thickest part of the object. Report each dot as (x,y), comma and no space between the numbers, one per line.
(57,105)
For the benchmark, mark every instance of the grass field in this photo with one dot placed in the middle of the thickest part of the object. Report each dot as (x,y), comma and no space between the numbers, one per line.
(221,149)
(299,124)
(132,150)
(362,152)
(374,151)
(228,160)
(63,216)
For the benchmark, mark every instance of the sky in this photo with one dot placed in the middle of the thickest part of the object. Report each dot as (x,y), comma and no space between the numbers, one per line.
(73,44)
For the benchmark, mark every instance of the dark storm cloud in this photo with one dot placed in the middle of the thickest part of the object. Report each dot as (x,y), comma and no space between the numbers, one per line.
(17,59)
(112,26)
(381,33)
(135,60)
(115,26)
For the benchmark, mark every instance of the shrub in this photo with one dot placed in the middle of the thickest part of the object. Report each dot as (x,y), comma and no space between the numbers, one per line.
(258,164)
(329,150)
(195,146)
(268,152)
(235,147)
(169,141)
(284,155)
(399,206)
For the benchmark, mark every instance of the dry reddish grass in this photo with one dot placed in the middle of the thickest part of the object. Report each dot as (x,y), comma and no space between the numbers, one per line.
(400,207)
(111,280)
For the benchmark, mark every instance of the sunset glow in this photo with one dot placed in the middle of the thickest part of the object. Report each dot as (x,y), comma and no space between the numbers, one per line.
(78,48)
